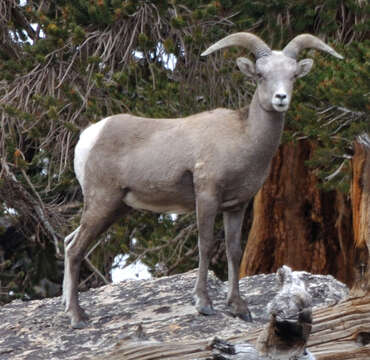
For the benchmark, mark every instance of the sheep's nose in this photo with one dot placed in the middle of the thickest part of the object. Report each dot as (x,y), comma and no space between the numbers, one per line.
(280,96)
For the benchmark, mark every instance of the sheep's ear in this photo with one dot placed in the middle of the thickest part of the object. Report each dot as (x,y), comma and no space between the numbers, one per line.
(246,66)
(304,67)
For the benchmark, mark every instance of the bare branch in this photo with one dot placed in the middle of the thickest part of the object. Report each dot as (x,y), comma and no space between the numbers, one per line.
(336,172)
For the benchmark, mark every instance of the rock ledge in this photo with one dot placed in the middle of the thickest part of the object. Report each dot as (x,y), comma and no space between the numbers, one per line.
(158,310)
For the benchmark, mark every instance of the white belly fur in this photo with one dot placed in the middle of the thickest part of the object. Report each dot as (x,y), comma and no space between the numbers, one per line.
(131,200)
(87,140)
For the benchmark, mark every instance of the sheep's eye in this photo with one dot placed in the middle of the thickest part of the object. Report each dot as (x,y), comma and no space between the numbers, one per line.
(294,77)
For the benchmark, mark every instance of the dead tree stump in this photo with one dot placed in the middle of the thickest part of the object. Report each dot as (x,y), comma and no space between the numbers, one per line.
(360,195)
(297,224)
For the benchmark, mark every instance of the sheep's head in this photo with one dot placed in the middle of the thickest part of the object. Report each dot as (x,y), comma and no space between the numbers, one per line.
(274,71)
(275,75)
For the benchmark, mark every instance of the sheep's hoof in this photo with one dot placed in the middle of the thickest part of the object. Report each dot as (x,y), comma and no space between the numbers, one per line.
(239,308)
(79,318)
(206,310)
(246,317)
(81,321)
(78,324)
(203,306)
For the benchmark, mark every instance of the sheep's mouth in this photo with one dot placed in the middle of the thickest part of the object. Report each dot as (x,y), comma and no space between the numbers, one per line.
(280,107)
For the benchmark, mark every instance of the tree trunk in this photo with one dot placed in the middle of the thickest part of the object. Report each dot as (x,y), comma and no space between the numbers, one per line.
(297,224)
(360,195)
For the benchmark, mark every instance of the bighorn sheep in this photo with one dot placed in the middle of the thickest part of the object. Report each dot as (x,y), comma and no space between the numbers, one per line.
(212,161)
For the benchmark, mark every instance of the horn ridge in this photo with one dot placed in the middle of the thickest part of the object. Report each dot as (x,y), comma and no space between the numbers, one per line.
(244,39)
(304,41)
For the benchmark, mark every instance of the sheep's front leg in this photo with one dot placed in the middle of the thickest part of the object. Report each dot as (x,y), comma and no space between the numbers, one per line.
(233,222)
(206,210)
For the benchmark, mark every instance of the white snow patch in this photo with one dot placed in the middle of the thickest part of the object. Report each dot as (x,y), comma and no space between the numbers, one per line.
(134,271)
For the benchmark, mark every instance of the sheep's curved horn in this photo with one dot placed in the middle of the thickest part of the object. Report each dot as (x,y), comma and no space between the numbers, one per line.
(244,39)
(304,41)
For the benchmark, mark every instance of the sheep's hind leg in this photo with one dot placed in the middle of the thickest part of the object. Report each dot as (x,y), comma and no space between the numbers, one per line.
(98,215)
(74,253)
(68,239)
(206,209)
(233,222)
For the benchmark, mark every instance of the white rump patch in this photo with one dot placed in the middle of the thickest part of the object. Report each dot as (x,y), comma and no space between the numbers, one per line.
(87,140)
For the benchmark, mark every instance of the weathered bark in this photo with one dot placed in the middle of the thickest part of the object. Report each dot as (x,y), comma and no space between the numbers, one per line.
(340,332)
(360,195)
(285,335)
(297,224)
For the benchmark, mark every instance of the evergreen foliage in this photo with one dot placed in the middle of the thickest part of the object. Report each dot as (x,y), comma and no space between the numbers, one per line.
(65,64)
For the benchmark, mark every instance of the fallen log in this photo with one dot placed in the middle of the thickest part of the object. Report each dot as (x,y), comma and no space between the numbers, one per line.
(339,332)
(284,337)
(342,331)
(155,318)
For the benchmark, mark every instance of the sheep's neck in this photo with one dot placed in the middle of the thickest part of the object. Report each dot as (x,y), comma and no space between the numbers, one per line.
(264,128)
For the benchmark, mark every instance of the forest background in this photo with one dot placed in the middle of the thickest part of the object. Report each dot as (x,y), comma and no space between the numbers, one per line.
(65,64)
